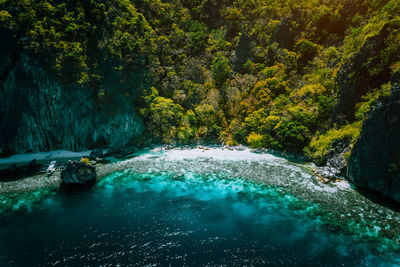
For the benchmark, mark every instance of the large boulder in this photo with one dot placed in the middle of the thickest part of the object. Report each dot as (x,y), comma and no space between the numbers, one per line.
(375,159)
(78,173)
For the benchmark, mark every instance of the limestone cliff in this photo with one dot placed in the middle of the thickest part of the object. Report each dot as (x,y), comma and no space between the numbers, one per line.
(375,159)
(39,112)
(366,70)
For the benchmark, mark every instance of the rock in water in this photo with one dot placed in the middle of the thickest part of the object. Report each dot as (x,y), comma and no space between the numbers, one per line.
(78,173)
(375,160)
(96,154)
(121,152)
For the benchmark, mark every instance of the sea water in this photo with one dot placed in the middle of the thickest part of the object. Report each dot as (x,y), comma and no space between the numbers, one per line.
(162,216)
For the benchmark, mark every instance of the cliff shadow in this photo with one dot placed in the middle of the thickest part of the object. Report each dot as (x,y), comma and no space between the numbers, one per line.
(379,198)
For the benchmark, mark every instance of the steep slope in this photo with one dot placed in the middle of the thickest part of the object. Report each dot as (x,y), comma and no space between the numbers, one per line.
(39,113)
(375,159)
(68,80)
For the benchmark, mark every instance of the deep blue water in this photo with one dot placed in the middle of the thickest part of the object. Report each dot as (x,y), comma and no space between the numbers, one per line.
(161,219)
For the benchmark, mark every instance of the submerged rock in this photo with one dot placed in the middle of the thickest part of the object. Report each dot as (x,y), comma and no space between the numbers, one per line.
(78,173)
(375,159)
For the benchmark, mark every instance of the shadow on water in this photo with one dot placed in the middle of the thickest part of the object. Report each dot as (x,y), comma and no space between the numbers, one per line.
(294,157)
(74,188)
(15,173)
(378,198)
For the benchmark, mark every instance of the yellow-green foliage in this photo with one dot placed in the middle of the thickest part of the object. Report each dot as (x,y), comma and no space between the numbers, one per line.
(321,144)
(359,35)
(167,116)
(214,83)
(4,15)
(220,68)
(85,160)
(309,93)
(73,33)
(255,140)
(306,51)
(364,107)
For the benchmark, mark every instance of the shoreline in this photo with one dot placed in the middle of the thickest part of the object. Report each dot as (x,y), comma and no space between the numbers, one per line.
(42,157)
(339,204)
(38,181)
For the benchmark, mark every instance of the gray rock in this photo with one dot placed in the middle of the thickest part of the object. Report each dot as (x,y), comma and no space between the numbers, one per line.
(355,78)
(283,35)
(40,112)
(242,52)
(78,173)
(96,154)
(375,159)
(334,161)
(14,172)
(122,151)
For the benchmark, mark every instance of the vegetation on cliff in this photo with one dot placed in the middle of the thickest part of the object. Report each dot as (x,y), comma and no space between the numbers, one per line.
(266,73)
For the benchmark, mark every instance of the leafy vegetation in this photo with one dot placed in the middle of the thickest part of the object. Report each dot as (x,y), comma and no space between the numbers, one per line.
(261,73)
(321,144)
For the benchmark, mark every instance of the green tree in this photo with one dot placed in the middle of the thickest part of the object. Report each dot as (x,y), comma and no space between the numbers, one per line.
(220,68)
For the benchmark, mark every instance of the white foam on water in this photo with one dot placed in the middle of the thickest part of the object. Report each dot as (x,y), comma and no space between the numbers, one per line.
(293,173)
(213,153)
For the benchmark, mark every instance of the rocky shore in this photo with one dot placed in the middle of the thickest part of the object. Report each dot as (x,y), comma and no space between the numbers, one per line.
(337,203)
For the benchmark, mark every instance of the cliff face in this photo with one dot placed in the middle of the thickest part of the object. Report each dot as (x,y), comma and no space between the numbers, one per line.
(375,159)
(38,112)
(366,70)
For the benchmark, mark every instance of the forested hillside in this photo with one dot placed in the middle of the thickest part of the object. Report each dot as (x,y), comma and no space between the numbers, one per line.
(288,75)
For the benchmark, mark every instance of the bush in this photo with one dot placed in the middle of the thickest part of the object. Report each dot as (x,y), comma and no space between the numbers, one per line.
(321,144)
(255,140)
(85,160)
(292,134)
(306,51)
(198,36)
(220,68)
(369,99)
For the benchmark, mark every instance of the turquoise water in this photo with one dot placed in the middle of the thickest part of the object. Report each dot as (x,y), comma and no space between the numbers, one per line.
(165,218)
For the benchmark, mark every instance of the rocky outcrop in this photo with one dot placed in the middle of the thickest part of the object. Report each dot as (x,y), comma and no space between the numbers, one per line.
(375,159)
(366,70)
(283,35)
(78,173)
(242,52)
(334,162)
(40,112)
(121,152)
(96,154)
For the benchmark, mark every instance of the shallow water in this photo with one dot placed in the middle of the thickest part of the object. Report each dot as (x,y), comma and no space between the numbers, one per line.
(179,217)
